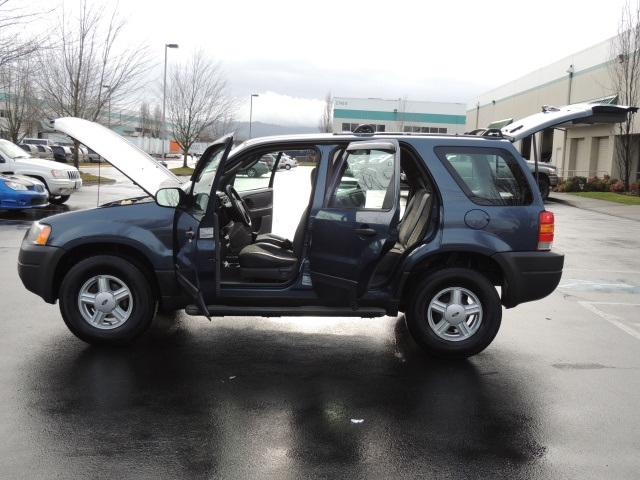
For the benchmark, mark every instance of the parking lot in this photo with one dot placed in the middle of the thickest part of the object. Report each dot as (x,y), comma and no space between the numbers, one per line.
(555,395)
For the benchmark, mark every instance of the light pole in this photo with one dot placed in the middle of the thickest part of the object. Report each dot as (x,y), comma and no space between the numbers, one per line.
(108,87)
(251,111)
(164,97)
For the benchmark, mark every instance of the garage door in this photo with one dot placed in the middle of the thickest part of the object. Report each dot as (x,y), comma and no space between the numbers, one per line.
(581,160)
(603,163)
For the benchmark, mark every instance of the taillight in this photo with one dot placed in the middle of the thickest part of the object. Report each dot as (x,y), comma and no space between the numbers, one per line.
(545,230)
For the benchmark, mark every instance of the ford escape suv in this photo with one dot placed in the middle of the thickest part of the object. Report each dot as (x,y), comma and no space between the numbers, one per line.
(467,235)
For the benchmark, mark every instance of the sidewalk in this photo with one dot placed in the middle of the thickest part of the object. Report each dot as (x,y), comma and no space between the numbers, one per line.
(632,212)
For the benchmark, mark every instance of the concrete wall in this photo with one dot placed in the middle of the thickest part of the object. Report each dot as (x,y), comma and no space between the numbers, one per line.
(581,77)
(399,115)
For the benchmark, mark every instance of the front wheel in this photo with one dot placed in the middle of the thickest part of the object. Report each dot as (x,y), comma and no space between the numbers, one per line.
(454,313)
(251,173)
(543,186)
(58,199)
(106,300)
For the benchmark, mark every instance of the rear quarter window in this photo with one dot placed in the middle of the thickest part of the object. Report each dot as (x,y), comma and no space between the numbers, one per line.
(488,176)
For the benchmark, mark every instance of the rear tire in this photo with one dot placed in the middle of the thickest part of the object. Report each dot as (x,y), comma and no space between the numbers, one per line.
(454,313)
(107,300)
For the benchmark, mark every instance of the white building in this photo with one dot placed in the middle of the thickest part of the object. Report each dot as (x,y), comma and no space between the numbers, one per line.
(581,77)
(398,115)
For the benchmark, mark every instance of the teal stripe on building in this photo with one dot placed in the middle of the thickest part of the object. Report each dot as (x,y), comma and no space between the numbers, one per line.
(395,117)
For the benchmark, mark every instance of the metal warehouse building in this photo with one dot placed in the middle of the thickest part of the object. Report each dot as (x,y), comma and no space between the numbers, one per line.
(581,77)
(398,115)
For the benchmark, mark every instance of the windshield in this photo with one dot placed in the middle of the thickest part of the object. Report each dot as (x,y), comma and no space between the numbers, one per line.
(11,150)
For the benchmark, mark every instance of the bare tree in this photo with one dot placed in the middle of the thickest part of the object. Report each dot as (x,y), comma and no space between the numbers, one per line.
(156,121)
(401,114)
(12,44)
(325,124)
(146,121)
(19,104)
(198,98)
(89,68)
(624,71)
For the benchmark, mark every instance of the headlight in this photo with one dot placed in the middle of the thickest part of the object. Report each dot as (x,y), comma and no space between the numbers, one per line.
(15,186)
(552,171)
(38,233)
(59,174)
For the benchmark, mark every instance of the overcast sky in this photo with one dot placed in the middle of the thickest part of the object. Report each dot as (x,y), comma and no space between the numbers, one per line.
(291,53)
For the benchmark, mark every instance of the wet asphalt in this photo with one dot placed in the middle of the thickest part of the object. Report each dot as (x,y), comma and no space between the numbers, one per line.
(555,395)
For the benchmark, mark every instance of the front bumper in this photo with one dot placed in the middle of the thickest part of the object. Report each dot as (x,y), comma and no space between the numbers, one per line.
(36,268)
(529,276)
(64,187)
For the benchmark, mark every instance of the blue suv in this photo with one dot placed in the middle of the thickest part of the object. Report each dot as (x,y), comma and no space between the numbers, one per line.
(465,236)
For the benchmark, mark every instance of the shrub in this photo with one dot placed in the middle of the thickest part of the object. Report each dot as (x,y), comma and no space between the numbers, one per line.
(633,188)
(574,184)
(617,187)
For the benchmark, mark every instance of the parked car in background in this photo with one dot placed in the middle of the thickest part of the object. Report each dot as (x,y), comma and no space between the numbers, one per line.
(18,192)
(547,177)
(62,153)
(60,180)
(256,170)
(286,162)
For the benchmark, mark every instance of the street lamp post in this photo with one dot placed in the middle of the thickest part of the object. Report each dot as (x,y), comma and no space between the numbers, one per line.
(108,87)
(251,111)
(164,97)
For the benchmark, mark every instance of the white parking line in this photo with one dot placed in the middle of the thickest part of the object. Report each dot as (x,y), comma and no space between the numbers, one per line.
(613,319)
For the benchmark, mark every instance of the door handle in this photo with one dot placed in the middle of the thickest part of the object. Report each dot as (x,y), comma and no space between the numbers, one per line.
(190,234)
(366,231)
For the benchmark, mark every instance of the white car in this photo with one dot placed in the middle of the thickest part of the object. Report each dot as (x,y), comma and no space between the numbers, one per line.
(286,162)
(61,180)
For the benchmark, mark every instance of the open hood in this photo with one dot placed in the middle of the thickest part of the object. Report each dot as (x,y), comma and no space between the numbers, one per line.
(580,114)
(138,166)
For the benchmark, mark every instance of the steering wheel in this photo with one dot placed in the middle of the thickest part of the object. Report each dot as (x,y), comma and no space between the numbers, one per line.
(239,206)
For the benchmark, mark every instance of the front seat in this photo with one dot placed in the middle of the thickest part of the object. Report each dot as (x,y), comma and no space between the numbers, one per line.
(272,257)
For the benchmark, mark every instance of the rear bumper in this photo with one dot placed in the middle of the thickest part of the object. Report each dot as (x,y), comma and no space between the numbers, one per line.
(529,276)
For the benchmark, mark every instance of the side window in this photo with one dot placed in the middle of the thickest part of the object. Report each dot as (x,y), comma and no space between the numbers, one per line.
(255,173)
(365,181)
(489,176)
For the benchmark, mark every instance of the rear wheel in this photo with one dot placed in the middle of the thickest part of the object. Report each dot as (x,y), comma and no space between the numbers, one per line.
(454,313)
(107,300)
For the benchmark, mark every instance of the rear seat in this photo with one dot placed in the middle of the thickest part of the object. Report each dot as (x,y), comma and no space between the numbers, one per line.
(411,229)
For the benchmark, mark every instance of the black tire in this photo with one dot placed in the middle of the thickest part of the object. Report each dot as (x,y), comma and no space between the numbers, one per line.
(58,199)
(251,173)
(287,167)
(124,318)
(433,313)
(543,186)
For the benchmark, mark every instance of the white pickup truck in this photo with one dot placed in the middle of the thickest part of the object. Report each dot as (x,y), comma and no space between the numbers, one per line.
(61,180)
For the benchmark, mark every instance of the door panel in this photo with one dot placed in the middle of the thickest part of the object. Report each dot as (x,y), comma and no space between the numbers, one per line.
(196,229)
(358,223)
(260,203)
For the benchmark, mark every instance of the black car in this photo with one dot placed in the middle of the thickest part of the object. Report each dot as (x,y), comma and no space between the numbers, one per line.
(472,219)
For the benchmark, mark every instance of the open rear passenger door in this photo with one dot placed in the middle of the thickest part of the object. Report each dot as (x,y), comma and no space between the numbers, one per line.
(358,222)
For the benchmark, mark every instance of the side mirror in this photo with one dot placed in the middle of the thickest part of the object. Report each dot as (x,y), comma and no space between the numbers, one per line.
(170,197)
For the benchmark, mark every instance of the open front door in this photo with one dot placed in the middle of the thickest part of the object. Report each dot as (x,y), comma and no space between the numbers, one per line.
(358,222)
(196,229)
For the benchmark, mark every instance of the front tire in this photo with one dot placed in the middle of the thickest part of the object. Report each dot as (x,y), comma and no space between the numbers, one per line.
(454,313)
(58,199)
(107,300)
(251,173)
(543,186)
